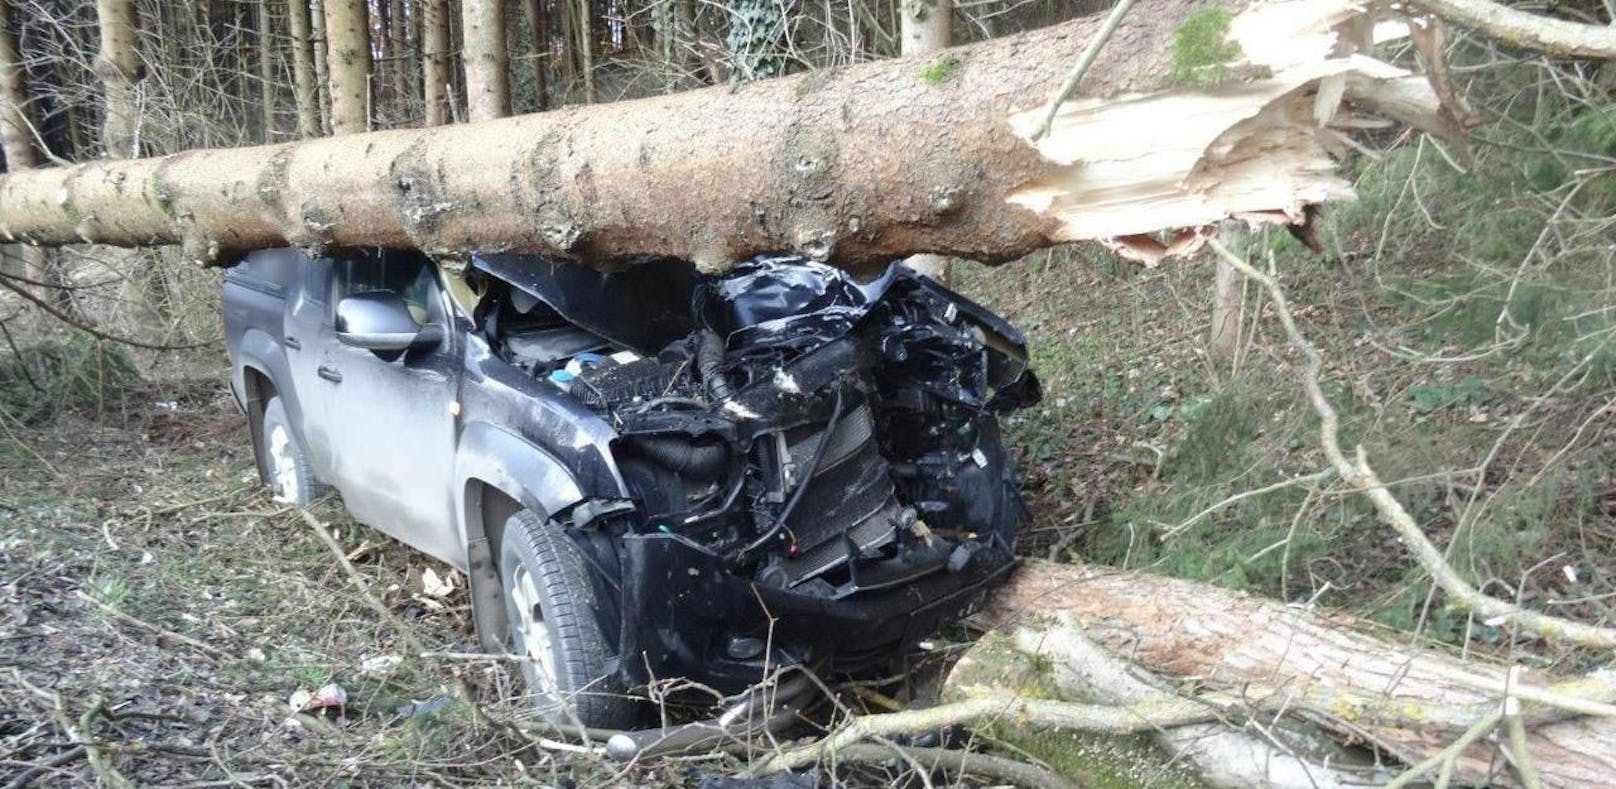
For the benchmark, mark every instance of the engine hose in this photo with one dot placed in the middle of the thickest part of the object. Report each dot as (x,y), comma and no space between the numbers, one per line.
(710,361)
(702,461)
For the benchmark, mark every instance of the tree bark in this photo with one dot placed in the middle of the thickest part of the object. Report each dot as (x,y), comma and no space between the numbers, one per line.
(17,143)
(16,131)
(1409,701)
(586,48)
(538,20)
(488,62)
(322,64)
(118,66)
(266,66)
(348,60)
(927,26)
(435,63)
(856,166)
(1561,38)
(303,72)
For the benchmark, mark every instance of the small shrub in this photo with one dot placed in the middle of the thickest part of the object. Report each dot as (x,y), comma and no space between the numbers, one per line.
(79,372)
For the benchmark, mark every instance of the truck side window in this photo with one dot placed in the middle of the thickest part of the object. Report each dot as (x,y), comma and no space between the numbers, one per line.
(411,276)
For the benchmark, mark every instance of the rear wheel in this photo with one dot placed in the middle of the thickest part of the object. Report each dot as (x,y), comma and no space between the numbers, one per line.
(286,465)
(550,607)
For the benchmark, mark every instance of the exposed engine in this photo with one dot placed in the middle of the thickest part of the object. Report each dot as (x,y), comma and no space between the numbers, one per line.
(811,432)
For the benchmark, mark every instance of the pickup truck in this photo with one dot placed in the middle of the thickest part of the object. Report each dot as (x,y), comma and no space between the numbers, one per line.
(652,473)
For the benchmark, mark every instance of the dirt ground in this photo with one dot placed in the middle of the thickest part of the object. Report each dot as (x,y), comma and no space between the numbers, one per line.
(158,614)
(156,605)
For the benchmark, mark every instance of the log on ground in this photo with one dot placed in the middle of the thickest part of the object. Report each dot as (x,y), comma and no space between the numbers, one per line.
(1410,701)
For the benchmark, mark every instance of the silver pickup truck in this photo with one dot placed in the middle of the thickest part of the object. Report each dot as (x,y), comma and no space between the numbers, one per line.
(652,473)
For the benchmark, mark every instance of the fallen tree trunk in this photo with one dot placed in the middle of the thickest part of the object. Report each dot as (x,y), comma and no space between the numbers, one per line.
(856,165)
(1410,702)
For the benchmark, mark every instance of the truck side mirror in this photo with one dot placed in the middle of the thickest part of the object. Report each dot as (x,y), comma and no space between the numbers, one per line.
(381,321)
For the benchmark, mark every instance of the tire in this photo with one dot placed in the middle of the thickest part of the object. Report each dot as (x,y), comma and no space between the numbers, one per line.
(285,464)
(550,608)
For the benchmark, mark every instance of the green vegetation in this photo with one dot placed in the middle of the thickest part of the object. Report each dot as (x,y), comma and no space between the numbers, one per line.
(1202,49)
(940,71)
(77,372)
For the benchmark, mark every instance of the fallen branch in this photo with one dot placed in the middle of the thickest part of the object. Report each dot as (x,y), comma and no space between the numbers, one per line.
(1358,475)
(958,762)
(204,648)
(1036,713)
(1546,34)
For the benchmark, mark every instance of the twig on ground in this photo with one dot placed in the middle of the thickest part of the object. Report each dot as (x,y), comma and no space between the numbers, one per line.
(28,776)
(960,762)
(1037,713)
(129,619)
(1357,473)
(1519,754)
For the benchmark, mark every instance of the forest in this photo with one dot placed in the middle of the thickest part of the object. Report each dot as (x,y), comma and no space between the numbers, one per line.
(1317,466)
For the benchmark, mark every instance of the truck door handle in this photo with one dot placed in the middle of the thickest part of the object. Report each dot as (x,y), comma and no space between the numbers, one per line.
(329,373)
(292,342)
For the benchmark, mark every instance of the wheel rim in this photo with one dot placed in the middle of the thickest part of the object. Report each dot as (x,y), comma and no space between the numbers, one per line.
(287,483)
(532,634)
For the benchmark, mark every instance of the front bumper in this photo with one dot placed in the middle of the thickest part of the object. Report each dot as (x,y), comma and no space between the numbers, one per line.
(681,609)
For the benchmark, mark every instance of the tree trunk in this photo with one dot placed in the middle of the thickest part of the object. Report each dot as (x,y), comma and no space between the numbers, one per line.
(322,63)
(487,62)
(538,20)
(586,48)
(855,166)
(348,59)
(435,63)
(266,66)
(17,143)
(400,60)
(1228,298)
(303,72)
(118,66)
(927,27)
(1409,701)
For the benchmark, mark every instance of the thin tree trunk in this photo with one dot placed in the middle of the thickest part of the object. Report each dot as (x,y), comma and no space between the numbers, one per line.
(17,142)
(266,66)
(1226,299)
(348,58)
(303,71)
(856,166)
(435,64)
(927,26)
(538,19)
(399,61)
(586,49)
(118,66)
(319,41)
(487,61)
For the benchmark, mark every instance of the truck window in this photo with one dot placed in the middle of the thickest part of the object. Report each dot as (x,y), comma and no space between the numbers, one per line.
(411,276)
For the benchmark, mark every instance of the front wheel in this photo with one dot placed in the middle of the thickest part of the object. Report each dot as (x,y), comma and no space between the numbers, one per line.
(285,464)
(550,607)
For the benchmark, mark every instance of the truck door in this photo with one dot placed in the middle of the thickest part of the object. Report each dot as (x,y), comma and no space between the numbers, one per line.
(389,413)
(307,328)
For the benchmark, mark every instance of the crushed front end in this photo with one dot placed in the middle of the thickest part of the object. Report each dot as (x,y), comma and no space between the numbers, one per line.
(813,465)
